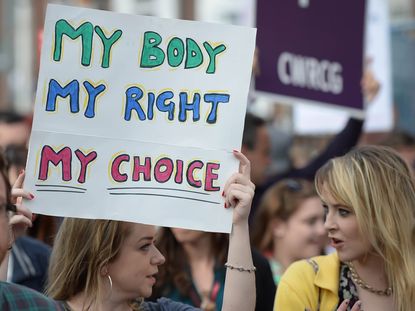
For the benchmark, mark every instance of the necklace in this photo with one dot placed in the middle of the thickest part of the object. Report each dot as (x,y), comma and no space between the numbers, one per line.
(362,284)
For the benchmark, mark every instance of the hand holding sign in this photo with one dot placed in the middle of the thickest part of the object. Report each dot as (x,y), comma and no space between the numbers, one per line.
(22,218)
(143,120)
(239,190)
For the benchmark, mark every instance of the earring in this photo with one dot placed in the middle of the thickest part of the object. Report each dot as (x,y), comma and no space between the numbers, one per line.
(110,280)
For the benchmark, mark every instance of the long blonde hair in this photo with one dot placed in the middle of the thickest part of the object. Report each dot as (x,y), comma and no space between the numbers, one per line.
(377,184)
(82,248)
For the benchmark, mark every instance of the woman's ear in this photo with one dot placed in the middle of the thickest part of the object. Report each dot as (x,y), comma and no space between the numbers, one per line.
(279,228)
(104,270)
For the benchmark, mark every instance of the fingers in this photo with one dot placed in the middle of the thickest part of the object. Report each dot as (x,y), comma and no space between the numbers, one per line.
(356,306)
(19,181)
(22,210)
(20,220)
(239,190)
(238,178)
(238,193)
(370,85)
(18,191)
(23,217)
(243,177)
(344,304)
(244,164)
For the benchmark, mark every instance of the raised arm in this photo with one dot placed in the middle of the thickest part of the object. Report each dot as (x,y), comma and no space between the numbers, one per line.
(341,144)
(349,136)
(239,291)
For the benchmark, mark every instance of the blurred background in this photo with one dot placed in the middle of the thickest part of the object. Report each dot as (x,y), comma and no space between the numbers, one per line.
(298,132)
(21,36)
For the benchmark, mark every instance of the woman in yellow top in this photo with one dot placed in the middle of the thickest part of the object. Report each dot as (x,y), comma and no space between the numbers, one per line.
(369,199)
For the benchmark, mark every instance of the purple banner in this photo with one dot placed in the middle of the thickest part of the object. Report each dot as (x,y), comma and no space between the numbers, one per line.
(312,50)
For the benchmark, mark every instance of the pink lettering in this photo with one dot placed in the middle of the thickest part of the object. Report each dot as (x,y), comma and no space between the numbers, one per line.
(211,176)
(84,160)
(179,172)
(197,164)
(115,168)
(142,169)
(63,156)
(163,175)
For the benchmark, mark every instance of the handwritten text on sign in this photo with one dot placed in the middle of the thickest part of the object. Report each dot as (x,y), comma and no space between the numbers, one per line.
(135,117)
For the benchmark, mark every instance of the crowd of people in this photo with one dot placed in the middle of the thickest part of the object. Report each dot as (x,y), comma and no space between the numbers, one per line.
(335,234)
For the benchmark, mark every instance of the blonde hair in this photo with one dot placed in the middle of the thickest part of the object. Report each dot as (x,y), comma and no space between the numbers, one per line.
(280,201)
(82,249)
(377,184)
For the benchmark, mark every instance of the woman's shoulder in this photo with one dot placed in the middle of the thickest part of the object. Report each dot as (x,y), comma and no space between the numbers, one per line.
(302,282)
(305,270)
(166,304)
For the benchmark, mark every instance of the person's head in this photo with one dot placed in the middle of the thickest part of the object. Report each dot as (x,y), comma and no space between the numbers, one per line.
(172,242)
(290,215)
(103,259)
(369,197)
(5,208)
(14,129)
(404,144)
(256,146)
(16,156)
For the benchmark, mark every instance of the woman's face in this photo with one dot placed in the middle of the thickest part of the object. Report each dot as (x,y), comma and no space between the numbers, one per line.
(134,269)
(303,233)
(343,230)
(4,220)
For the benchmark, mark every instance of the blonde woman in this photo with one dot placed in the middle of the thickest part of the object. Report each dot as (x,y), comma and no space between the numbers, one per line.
(369,199)
(109,265)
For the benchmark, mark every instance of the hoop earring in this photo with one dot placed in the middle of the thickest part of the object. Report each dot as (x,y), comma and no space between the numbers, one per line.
(110,280)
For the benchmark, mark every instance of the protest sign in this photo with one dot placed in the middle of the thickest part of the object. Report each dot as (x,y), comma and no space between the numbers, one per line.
(136,118)
(311,51)
(379,112)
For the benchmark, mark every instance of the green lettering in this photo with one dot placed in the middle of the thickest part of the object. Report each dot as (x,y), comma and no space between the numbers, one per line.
(107,44)
(151,55)
(213,52)
(175,52)
(62,27)
(194,54)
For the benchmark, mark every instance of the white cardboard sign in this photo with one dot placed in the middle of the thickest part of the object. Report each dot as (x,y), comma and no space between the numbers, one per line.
(136,118)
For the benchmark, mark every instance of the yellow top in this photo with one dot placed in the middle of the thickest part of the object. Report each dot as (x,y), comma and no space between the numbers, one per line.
(301,285)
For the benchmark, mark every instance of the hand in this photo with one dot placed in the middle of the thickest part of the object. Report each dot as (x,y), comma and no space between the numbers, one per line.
(370,86)
(239,190)
(345,303)
(22,219)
